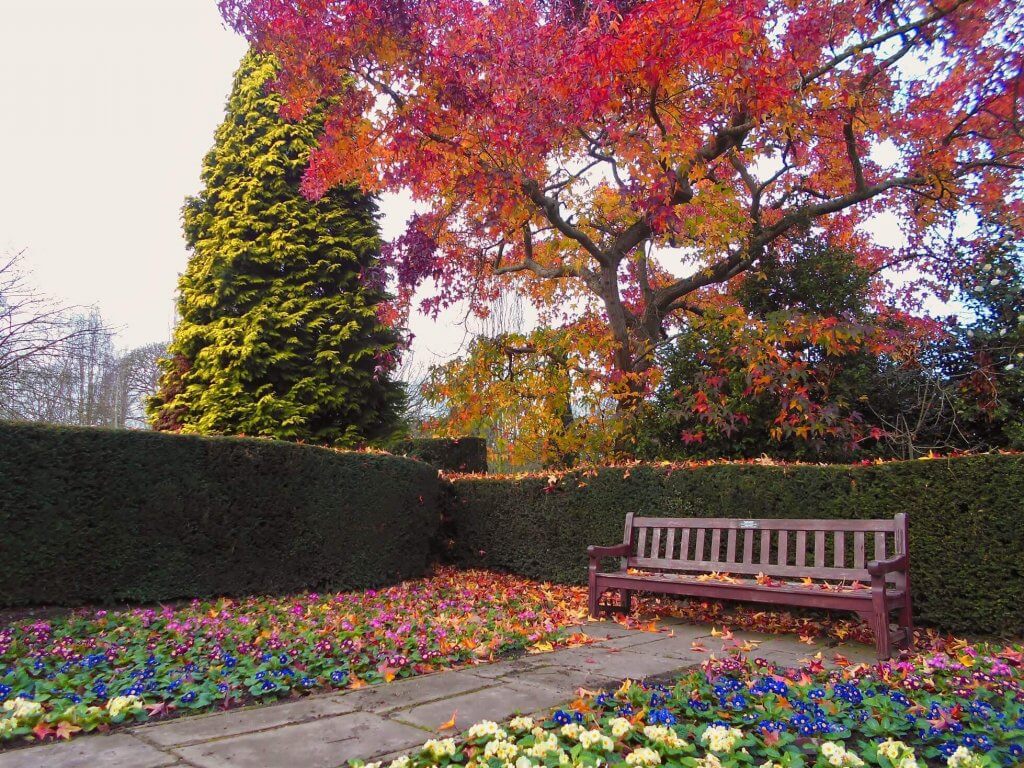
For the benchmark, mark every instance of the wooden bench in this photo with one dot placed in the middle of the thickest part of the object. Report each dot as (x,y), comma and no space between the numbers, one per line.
(853,565)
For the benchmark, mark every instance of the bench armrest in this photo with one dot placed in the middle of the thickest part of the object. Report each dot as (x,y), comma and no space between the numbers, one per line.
(619,550)
(892,565)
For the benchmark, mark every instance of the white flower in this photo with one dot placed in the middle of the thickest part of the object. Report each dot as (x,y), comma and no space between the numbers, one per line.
(572,730)
(524,762)
(7,726)
(22,708)
(438,748)
(501,749)
(892,749)
(664,735)
(840,757)
(401,762)
(372,765)
(485,729)
(719,738)
(594,738)
(643,756)
(963,758)
(545,743)
(709,761)
(521,723)
(620,727)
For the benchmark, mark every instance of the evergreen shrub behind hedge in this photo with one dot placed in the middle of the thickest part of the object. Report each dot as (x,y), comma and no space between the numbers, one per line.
(966,521)
(89,515)
(461,454)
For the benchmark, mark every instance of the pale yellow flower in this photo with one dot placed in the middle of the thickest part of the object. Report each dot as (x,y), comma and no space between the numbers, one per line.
(643,756)
(438,748)
(719,738)
(120,704)
(595,739)
(486,729)
(23,708)
(620,727)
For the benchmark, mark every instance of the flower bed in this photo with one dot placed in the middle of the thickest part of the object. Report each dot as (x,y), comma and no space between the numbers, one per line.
(90,671)
(962,707)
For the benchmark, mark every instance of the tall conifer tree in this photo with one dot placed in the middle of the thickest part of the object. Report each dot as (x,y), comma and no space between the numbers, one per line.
(278,333)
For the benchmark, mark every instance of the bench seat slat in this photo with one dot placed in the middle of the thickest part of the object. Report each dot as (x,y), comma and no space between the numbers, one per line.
(716,545)
(801,548)
(794,571)
(670,545)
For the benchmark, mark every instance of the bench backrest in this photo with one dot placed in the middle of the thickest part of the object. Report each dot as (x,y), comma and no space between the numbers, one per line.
(821,549)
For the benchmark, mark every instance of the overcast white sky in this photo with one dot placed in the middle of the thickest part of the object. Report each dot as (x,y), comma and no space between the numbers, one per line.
(108,109)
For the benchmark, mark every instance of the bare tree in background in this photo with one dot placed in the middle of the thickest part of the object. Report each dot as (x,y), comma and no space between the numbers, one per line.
(32,327)
(127,382)
(61,367)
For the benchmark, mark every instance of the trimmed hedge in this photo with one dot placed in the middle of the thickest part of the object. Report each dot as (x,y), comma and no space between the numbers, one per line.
(90,515)
(966,521)
(462,454)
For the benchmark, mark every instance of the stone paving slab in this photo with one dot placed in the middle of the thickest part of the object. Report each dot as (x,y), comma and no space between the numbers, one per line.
(416,690)
(325,743)
(513,666)
(620,664)
(498,703)
(118,750)
(566,680)
(188,730)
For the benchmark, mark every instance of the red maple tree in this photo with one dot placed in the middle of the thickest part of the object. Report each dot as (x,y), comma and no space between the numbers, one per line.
(625,159)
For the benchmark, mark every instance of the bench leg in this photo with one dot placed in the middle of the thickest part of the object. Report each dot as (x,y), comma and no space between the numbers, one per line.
(626,602)
(593,596)
(880,626)
(907,623)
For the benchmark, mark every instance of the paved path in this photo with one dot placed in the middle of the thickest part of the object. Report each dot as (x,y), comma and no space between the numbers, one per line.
(326,730)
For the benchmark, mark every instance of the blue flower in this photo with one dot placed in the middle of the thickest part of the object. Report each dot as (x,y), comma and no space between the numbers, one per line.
(661,717)
(338,676)
(561,717)
(947,748)
(189,697)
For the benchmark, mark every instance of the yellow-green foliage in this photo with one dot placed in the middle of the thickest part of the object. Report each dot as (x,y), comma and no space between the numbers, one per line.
(278,333)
